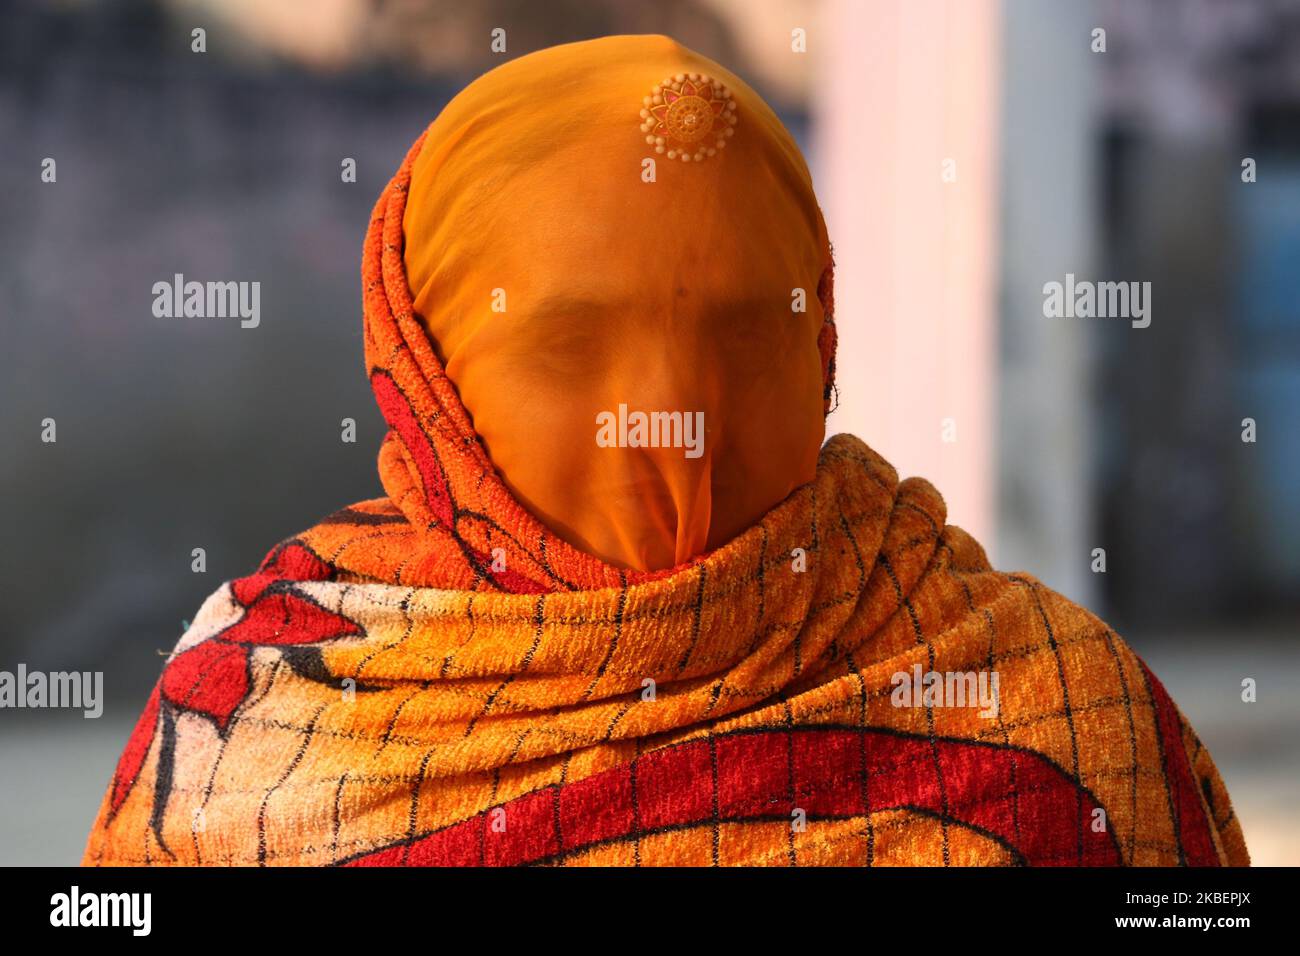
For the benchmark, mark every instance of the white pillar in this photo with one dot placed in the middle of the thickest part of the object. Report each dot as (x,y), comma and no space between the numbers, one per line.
(907,92)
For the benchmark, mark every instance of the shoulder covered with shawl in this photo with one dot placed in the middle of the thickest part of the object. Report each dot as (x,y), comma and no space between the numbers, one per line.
(434,678)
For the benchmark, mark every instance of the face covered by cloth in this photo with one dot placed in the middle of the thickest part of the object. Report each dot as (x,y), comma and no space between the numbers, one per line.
(577,283)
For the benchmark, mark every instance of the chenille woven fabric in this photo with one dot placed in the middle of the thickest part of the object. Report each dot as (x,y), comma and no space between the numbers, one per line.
(434,677)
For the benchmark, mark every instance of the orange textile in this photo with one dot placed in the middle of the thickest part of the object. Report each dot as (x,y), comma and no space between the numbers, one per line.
(558,283)
(436,677)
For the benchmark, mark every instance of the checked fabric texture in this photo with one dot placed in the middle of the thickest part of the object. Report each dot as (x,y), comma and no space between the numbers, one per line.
(434,678)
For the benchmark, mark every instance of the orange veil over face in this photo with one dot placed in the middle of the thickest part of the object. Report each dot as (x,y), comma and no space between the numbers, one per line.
(617,253)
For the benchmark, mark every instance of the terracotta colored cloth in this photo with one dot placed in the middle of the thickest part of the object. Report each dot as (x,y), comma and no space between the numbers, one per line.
(672,295)
(436,677)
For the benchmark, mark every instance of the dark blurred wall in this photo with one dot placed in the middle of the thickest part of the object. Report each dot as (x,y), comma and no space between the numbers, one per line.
(1202,526)
(173,433)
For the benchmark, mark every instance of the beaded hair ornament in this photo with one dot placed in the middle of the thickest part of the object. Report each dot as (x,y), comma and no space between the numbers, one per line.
(688,117)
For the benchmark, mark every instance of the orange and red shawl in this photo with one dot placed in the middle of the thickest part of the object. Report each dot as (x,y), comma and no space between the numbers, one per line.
(377,693)
(434,678)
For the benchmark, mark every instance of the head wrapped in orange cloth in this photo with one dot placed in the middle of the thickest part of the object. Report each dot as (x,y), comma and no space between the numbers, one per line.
(615,606)
(621,276)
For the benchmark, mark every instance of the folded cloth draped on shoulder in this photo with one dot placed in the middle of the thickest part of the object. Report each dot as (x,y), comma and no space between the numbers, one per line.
(434,677)
(328,709)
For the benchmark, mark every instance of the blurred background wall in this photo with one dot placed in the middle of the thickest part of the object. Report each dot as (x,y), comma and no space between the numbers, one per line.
(1067,435)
